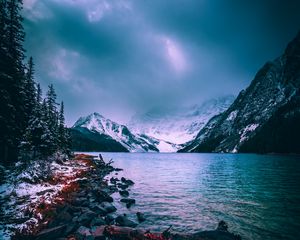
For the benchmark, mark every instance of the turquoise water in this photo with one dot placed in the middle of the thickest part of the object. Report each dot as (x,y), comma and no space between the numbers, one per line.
(257,195)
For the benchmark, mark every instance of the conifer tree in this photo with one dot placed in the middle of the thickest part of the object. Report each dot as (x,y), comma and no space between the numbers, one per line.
(30,91)
(12,121)
(62,141)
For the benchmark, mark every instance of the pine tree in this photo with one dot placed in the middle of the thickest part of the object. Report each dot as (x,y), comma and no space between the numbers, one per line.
(39,95)
(61,130)
(52,114)
(30,91)
(26,119)
(12,79)
(48,142)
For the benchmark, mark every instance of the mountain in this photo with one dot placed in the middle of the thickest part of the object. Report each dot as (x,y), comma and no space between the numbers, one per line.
(264,117)
(89,141)
(178,125)
(107,134)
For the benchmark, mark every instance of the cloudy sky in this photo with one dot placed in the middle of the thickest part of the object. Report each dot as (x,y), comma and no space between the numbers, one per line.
(118,57)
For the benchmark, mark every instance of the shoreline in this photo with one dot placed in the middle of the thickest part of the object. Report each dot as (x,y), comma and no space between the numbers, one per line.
(83,208)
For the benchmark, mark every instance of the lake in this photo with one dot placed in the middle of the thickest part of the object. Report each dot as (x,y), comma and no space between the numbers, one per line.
(257,195)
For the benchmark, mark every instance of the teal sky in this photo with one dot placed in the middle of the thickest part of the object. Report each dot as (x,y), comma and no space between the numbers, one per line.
(118,57)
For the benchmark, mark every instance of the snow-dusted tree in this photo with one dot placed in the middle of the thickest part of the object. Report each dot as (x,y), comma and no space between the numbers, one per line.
(12,78)
(63,133)
(30,91)
(48,144)
(52,109)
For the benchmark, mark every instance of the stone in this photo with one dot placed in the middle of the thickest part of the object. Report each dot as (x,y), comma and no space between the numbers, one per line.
(98,232)
(86,217)
(98,209)
(108,207)
(127,181)
(82,233)
(222,226)
(124,193)
(128,200)
(140,216)
(123,221)
(102,196)
(51,233)
(98,222)
(109,219)
(122,186)
(71,228)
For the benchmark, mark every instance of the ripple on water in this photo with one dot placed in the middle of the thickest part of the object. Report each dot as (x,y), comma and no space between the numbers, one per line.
(257,195)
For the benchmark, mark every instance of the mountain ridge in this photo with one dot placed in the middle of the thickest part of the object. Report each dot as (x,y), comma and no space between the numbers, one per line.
(107,130)
(274,85)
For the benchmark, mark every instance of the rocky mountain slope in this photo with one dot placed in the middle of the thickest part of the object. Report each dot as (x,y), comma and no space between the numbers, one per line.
(155,131)
(90,141)
(178,125)
(259,117)
(111,136)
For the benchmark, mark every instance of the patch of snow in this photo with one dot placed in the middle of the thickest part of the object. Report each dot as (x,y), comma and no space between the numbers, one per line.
(247,129)
(232,115)
(166,147)
(178,125)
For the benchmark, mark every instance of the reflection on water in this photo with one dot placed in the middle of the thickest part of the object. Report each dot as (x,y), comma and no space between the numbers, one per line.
(258,195)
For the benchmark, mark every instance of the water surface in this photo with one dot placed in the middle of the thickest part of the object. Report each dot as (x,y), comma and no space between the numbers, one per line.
(257,195)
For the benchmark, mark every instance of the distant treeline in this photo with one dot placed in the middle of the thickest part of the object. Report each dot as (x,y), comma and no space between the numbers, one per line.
(30,126)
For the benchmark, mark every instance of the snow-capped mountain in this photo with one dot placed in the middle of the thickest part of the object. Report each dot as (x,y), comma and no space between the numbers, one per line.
(272,99)
(178,125)
(97,124)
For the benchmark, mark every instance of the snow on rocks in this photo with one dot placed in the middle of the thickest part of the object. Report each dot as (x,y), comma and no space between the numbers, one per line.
(249,128)
(28,197)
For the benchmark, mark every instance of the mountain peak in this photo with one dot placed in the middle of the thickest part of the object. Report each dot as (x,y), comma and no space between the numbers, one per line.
(272,88)
(178,125)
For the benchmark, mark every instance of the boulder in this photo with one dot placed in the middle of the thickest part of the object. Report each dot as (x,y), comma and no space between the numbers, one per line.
(98,222)
(114,180)
(102,196)
(108,207)
(98,209)
(83,233)
(222,226)
(123,221)
(109,218)
(122,186)
(51,233)
(98,232)
(127,181)
(140,216)
(128,201)
(62,218)
(124,193)
(71,228)
(86,217)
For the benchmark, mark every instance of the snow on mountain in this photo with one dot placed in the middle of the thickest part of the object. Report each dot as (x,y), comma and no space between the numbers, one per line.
(272,91)
(96,123)
(179,125)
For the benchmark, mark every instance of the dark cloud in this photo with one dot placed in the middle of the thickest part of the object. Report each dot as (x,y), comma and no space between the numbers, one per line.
(120,56)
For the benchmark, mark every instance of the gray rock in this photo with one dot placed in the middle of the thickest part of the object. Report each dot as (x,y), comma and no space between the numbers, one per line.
(98,232)
(86,217)
(51,233)
(140,216)
(82,233)
(109,218)
(124,193)
(108,207)
(98,222)
(123,221)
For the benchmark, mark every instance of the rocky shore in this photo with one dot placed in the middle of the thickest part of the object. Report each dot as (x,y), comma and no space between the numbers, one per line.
(84,209)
